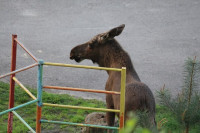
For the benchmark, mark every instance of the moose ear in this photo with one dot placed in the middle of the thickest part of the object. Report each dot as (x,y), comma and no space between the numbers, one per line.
(115,31)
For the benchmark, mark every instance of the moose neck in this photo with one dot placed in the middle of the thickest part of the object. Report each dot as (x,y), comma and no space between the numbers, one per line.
(114,56)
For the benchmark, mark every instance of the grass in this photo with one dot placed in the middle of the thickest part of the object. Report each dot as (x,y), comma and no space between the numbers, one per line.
(28,113)
(171,125)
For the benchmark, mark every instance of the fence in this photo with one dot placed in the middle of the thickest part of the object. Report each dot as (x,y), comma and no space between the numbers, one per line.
(39,120)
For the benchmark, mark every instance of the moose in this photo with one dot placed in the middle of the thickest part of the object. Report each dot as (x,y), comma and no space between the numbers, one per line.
(104,50)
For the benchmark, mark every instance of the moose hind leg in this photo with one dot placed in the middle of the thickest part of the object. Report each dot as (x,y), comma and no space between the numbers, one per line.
(110,118)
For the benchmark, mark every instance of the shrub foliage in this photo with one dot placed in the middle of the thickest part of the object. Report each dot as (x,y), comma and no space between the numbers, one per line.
(186,104)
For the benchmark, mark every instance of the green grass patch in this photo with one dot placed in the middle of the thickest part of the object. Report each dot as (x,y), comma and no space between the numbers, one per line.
(170,124)
(28,113)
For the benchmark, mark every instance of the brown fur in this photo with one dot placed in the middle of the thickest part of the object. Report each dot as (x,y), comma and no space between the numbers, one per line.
(95,118)
(104,50)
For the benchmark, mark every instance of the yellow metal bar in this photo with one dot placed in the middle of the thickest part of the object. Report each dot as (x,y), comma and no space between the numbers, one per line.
(80,107)
(81,66)
(80,89)
(122,99)
(25,89)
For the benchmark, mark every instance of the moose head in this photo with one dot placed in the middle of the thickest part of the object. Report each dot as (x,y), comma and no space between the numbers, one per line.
(90,50)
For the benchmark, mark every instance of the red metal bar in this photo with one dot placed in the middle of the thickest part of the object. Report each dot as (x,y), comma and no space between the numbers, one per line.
(38,118)
(80,89)
(12,83)
(26,50)
(121,122)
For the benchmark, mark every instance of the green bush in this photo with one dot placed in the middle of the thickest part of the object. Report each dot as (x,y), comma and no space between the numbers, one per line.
(185,107)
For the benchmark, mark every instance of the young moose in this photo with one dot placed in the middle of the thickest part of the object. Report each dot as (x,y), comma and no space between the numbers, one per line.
(104,50)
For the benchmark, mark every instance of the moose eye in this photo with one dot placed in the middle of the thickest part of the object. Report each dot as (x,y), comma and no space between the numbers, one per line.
(103,37)
(79,56)
(93,44)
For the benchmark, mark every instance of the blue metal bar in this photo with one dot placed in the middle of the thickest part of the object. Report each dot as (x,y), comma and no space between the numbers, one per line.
(17,107)
(78,124)
(24,122)
(39,96)
(39,84)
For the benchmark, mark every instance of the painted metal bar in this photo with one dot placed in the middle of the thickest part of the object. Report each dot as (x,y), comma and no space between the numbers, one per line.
(23,87)
(23,121)
(26,50)
(39,96)
(39,82)
(122,99)
(81,89)
(79,124)
(19,70)
(38,118)
(18,107)
(81,66)
(12,84)
(80,107)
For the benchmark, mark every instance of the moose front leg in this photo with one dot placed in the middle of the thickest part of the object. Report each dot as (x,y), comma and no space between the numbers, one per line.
(110,116)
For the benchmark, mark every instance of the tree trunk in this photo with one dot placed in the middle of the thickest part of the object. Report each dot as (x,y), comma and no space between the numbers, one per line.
(187,128)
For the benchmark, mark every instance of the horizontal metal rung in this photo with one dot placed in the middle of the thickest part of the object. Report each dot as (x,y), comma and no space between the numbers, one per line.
(81,66)
(80,107)
(79,124)
(81,89)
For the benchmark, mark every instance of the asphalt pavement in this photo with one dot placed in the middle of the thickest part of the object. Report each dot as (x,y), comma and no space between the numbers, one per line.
(159,36)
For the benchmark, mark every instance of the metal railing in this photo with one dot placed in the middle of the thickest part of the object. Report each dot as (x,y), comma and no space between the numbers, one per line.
(39,120)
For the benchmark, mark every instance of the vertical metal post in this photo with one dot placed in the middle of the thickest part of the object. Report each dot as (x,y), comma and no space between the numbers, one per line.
(12,83)
(122,99)
(39,97)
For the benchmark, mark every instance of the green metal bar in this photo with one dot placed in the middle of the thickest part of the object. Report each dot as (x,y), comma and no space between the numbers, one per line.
(78,124)
(17,107)
(39,84)
(24,122)
(122,99)
(80,107)
(39,96)
(81,66)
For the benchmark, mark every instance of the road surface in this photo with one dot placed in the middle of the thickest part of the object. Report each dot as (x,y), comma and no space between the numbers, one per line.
(159,36)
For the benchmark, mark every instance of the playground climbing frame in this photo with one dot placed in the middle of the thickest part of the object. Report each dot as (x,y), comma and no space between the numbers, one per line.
(40,63)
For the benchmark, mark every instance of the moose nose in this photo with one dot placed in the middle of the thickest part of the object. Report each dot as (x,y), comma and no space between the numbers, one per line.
(71,57)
